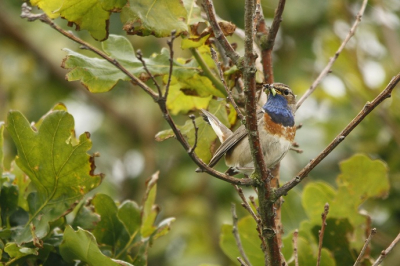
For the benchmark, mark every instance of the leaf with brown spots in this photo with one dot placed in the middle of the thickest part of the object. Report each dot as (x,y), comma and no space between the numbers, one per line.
(58,165)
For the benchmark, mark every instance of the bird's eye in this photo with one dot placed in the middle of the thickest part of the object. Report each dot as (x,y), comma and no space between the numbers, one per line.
(286,92)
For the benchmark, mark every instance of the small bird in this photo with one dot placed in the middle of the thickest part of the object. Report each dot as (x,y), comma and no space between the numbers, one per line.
(276,130)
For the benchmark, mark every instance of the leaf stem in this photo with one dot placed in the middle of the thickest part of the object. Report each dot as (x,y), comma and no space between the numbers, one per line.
(207,71)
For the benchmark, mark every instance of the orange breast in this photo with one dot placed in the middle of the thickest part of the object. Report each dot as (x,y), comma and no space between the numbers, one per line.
(278,129)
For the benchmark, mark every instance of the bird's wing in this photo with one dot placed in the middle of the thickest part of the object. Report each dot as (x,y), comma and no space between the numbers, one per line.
(231,141)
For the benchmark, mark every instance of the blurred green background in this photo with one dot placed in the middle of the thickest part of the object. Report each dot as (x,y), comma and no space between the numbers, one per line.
(123,122)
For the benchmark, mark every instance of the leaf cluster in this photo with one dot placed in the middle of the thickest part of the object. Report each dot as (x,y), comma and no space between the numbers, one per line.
(49,180)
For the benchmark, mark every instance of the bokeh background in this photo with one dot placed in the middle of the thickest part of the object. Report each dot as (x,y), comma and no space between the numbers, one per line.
(123,122)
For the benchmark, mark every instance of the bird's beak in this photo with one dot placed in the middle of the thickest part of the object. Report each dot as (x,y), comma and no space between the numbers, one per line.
(271,89)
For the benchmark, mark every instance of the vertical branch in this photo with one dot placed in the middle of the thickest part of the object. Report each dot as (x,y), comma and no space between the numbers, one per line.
(267,40)
(322,232)
(272,253)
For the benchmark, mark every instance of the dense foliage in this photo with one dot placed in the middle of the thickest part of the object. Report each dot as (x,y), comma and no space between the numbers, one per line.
(56,207)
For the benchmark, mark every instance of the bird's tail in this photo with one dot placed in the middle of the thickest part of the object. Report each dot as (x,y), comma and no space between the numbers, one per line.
(220,129)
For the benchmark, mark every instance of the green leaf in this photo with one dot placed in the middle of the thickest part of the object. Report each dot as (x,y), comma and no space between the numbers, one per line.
(158,18)
(361,179)
(292,211)
(22,181)
(336,240)
(129,215)
(57,164)
(308,257)
(150,211)
(249,238)
(315,195)
(1,147)
(163,228)
(99,75)
(91,15)
(109,228)
(16,252)
(8,202)
(193,12)
(81,245)
(85,218)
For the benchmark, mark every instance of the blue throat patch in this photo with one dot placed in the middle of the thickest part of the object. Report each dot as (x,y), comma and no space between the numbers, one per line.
(277,108)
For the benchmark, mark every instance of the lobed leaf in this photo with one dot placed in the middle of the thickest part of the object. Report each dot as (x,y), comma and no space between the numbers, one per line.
(91,15)
(57,164)
(158,18)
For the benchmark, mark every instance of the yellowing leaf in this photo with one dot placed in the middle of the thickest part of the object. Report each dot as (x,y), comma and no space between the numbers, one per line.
(158,18)
(91,15)
(59,167)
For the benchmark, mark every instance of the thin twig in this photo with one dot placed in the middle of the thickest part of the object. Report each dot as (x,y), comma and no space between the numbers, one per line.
(246,204)
(253,202)
(134,80)
(139,56)
(295,250)
(235,233)
(322,232)
(328,67)
(196,129)
(364,248)
(255,216)
(230,52)
(170,43)
(228,91)
(242,263)
(368,107)
(385,252)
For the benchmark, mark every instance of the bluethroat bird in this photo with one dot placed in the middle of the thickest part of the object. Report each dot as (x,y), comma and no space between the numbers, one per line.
(276,129)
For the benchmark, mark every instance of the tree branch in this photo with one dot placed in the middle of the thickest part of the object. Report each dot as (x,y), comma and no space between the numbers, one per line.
(364,248)
(219,35)
(26,13)
(272,254)
(267,38)
(368,107)
(328,67)
(322,232)
(235,233)
(295,250)
(387,251)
